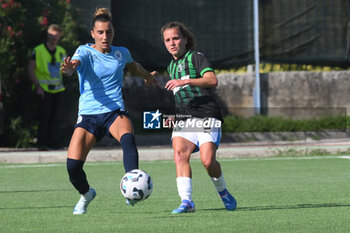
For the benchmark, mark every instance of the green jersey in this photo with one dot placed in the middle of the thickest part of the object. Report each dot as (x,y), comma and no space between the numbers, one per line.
(192,101)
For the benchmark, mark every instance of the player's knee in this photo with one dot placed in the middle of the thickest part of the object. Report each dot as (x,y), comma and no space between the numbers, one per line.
(181,156)
(77,175)
(210,163)
(207,164)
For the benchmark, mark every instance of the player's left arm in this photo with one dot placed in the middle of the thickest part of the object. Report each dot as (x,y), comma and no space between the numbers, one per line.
(138,70)
(208,80)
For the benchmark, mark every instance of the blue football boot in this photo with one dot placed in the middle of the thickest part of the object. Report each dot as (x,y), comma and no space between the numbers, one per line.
(228,200)
(185,207)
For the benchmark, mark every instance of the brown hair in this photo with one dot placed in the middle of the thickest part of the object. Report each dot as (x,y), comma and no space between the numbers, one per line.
(54,27)
(183,29)
(101,14)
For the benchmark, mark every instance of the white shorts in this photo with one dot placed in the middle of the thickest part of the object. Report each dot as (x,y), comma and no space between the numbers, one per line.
(204,130)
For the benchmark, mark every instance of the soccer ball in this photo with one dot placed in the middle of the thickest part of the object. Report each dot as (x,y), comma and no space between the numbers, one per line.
(136,185)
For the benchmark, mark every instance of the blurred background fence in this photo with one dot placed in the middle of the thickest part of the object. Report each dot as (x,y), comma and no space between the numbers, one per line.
(305,32)
(291,31)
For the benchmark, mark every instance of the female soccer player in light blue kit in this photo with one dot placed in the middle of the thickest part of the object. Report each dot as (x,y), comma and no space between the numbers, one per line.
(100,68)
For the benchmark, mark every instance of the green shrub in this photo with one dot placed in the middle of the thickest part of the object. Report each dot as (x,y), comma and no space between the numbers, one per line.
(279,124)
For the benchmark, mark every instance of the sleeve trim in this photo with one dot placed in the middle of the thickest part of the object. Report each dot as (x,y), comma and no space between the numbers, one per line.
(206,70)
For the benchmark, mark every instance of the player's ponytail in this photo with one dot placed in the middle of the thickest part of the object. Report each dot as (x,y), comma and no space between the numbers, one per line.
(102,15)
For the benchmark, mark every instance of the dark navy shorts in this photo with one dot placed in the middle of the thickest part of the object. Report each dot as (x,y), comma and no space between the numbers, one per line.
(99,124)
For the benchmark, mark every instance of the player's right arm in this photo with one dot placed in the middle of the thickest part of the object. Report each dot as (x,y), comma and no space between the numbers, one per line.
(138,70)
(69,66)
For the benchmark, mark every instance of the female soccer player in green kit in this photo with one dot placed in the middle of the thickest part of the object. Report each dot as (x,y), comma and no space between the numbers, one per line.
(192,80)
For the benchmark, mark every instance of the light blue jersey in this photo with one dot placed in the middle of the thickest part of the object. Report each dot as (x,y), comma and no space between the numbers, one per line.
(101,79)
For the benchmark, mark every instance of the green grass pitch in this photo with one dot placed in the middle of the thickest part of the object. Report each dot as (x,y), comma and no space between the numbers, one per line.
(273,195)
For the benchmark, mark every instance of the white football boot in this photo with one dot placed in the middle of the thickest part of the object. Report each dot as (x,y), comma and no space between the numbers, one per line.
(85,199)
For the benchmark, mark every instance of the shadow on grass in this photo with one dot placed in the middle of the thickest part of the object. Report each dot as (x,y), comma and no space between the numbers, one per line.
(32,191)
(253,208)
(34,207)
(285,207)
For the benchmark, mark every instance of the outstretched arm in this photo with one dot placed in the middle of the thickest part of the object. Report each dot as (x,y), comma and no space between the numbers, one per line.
(138,70)
(69,66)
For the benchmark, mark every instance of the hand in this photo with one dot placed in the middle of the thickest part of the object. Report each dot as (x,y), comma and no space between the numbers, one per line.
(40,92)
(151,80)
(170,85)
(68,67)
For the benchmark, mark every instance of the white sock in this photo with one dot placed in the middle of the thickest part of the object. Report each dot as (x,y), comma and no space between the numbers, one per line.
(184,187)
(219,183)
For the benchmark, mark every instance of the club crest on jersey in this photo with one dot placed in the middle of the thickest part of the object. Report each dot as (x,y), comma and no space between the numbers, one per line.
(118,55)
(181,67)
(94,57)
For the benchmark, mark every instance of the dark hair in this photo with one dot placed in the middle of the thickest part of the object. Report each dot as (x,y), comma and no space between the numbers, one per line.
(183,29)
(102,15)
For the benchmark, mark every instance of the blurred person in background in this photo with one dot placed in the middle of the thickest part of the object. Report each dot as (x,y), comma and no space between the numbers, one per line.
(44,72)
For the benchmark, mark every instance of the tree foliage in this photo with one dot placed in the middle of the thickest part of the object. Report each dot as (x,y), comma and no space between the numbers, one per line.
(23,25)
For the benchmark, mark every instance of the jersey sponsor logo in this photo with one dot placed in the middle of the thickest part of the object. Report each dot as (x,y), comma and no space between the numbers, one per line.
(118,55)
(176,89)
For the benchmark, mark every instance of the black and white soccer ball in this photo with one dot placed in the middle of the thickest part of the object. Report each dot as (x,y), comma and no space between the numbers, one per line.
(136,185)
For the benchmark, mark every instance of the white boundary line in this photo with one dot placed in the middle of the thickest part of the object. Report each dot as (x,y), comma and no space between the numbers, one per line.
(287,158)
(167,161)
